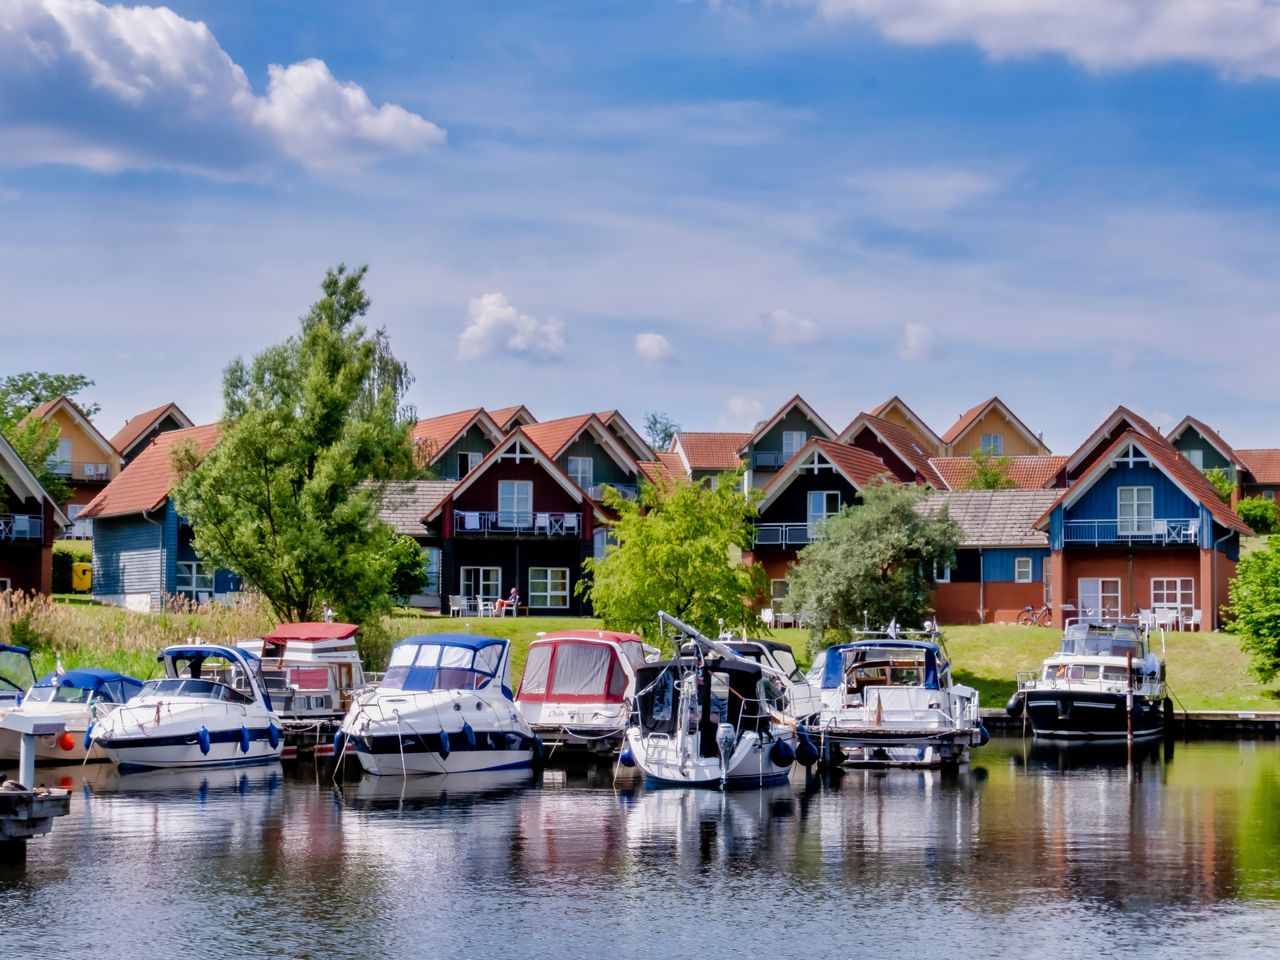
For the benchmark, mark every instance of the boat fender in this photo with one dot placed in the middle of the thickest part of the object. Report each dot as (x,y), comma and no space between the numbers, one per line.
(1015,705)
(88,736)
(444,744)
(626,757)
(66,742)
(339,742)
(537,748)
(244,739)
(273,735)
(203,737)
(984,735)
(806,751)
(469,734)
(781,754)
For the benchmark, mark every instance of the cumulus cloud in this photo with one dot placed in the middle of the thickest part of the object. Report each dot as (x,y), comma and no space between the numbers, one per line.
(919,341)
(741,413)
(117,88)
(1238,38)
(654,348)
(495,326)
(787,327)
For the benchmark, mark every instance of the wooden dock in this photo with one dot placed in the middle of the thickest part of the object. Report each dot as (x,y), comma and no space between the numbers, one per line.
(1199,723)
(26,813)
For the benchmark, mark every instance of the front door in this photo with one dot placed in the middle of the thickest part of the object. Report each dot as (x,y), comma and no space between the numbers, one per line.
(1099,598)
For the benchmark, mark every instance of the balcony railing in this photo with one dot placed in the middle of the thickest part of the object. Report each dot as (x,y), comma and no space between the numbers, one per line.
(80,470)
(1141,530)
(21,526)
(786,534)
(79,530)
(628,491)
(520,523)
(769,459)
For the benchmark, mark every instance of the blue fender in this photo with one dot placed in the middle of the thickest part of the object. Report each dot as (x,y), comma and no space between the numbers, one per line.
(244,739)
(203,737)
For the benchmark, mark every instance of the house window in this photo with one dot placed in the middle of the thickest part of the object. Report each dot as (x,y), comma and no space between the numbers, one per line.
(823,504)
(515,503)
(1268,494)
(194,580)
(1175,592)
(549,587)
(431,556)
(467,461)
(993,444)
(941,572)
(482,582)
(1046,574)
(778,589)
(1196,458)
(1021,569)
(1134,510)
(601,539)
(5,584)
(792,441)
(1099,598)
(59,462)
(580,471)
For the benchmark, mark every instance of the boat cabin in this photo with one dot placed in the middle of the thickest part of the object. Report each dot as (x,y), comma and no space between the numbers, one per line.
(227,674)
(310,669)
(87,686)
(770,653)
(424,664)
(727,691)
(1103,640)
(882,663)
(16,674)
(581,666)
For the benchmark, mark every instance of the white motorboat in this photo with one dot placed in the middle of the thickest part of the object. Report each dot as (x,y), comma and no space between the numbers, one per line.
(210,709)
(575,687)
(77,697)
(888,699)
(803,700)
(443,706)
(16,676)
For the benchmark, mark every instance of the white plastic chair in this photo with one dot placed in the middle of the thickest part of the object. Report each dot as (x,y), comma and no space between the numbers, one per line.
(570,523)
(1196,620)
(1164,618)
(767,616)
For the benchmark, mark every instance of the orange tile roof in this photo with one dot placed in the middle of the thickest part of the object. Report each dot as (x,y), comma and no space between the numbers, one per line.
(858,465)
(1264,464)
(147,482)
(665,470)
(552,436)
(908,447)
(440,432)
(44,408)
(502,416)
(136,426)
(713,451)
(1027,473)
(966,420)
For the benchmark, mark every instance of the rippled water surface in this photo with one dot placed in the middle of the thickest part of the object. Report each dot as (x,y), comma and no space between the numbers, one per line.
(1030,852)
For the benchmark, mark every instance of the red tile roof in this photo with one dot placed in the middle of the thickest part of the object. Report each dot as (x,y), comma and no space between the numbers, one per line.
(713,451)
(502,416)
(439,433)
(1138,423)
(665,470)
(1209,434)
(904,442)
(147,482)
(858,465)
(1264,464)
(881,409)
(136,426)
(1027,473)
(552,436)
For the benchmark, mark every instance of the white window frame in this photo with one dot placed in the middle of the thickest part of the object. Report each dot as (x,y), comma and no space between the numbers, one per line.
(992,444)
(584,480)
(515,503)
(1182,596)
(478,587)
(431,566)
(552,599)
(5,584)
(1195,458)
(792,441)
(1103,593)
(1023,570)
(827,495)
(941,574)
(471,459)
(192,578)
(1131,519)
(1046,574)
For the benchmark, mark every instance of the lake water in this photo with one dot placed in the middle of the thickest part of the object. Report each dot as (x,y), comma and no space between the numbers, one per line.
(1030,852)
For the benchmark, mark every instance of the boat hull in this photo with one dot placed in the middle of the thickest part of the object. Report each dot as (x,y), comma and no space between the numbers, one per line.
(165,749)
(902,747)
(392,755)
(1091,715)
(750,766)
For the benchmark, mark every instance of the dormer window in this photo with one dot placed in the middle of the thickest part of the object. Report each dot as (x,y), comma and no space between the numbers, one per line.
(467,461)
(580,471)
(993,444)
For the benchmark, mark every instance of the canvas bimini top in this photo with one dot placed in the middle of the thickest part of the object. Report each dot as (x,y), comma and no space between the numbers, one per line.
(193,656)
(16,672)
(861,651)
(81,685)
(446,661)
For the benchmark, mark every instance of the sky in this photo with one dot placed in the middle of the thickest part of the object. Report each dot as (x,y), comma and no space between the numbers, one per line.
(700,207)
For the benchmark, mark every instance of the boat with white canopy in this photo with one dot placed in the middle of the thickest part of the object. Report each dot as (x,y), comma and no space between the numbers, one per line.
(77,697)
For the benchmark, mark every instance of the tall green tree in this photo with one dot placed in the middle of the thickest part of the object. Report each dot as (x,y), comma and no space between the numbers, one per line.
(678,549)
(34,440)
(312,430)
(875,560)
(659,429)
(1255,609)
(991,472)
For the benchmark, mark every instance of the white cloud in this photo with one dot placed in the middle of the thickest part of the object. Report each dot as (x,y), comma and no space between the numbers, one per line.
(116,88)
(1238,38)
(919,341)
(920,193)
(496,326)
(654,348)
(741,413)
(787,327)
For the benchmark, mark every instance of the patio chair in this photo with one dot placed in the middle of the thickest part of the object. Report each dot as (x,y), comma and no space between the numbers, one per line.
(1146,618)
(570,523)
(457,605)
(1196,620)
(1165,617)
(766,615)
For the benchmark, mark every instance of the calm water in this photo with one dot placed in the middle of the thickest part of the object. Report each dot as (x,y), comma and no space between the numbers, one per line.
(1028,853)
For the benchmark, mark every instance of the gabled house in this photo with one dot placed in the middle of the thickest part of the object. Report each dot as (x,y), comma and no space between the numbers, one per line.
(778,439)
(138,431)
(1027,473)
(704,455)
(84,458)
(1261,477)
(29,522)
(1002,562)
(1141,529)
(896,446)
(630,438)
(516,520)
(895,410)
(992,428)
(820,478)
(589,454)
(452,444)
(143,549)
(402,508)
(508,418)
(1122,419)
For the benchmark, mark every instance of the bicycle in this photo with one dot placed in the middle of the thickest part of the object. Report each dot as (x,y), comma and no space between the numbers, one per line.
(1041,618)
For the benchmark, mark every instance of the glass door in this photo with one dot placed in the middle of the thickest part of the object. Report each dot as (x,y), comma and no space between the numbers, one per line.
(1099,598)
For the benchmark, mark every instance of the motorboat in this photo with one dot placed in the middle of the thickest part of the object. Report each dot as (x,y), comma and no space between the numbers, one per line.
(209,709)
(1103,683)
(16,676)
(443,706)
(888,699)
(575,687)
(77,697)
(803,700)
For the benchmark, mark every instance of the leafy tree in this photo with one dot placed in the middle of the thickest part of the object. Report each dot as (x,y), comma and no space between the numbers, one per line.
(875,559)
(408,568)
(1222,483)
(991,472)
(659,429)
(288,498)
(36,441)
(679,550)
(1255,607)
(1260,514)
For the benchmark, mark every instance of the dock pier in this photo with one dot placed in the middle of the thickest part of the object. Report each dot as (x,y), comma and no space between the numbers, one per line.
(26,810)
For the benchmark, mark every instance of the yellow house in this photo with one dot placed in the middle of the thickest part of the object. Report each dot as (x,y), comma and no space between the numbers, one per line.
(991,427)
(84,457)
(894,410)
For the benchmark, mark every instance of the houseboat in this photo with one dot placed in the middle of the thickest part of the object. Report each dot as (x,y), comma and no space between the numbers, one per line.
(888,699)
(79,698)
(443,706)
(1103,683)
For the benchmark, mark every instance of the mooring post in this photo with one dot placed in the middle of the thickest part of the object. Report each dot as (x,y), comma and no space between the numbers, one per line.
(28,728)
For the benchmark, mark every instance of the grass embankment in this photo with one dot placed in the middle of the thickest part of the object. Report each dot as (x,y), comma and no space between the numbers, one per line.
(1207,671)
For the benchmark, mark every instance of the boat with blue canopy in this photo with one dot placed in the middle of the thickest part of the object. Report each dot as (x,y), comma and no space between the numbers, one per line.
(79,698)
(16,676)
(210,709)
(443,706)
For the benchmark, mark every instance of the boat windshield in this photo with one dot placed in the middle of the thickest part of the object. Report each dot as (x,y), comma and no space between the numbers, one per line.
(194,689)
(787,663)
(889,666)
(15,670)
(634,651)
(60,694)
(1101,640)
(423,667)
(1077,672)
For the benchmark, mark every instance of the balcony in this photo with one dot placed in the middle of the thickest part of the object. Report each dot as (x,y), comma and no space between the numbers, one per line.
(515,523)
(79,530)
(628,491)
(786,534)
(80,471)
(1141,530)
(769,459)
(21,526)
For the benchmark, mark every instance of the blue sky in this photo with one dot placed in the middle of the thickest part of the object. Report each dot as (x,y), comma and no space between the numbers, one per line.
(695,207)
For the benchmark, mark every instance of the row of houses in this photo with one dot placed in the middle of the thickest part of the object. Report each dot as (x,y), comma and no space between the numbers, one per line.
(1126,521)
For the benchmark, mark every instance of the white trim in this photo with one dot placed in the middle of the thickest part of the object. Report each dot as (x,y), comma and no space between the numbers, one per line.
(603,438)
(995,403)
(864,419)
(1187,422)
(1095,438)
(1095,472)
(1031,570)
(489,424)
(548,593)
(912,416)
(646,452)
(795,465)
(86,427)
(796,401)
(24,483)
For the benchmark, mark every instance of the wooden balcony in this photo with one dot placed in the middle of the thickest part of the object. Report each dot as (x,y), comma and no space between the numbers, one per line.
(515,523)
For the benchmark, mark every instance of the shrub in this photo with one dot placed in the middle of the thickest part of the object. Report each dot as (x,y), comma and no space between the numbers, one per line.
(1255,606)
(1260,514)
(62,560)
